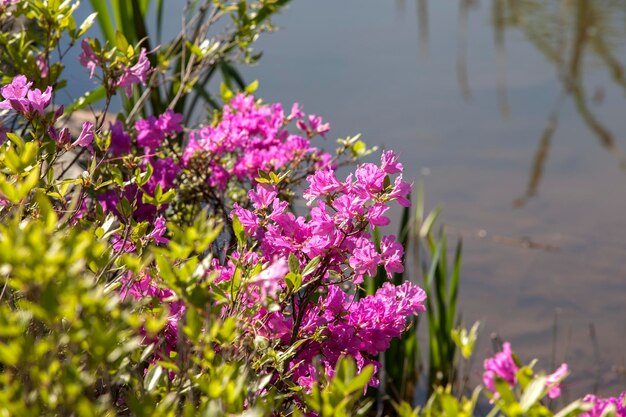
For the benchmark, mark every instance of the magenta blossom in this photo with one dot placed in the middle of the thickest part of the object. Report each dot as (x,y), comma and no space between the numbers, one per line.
(502,366)
(250,137)
(389,163)
(137,74)
(120,140)
(151,132)
(7,3)
(38,101)
(86,137)
(20,97)
(601,405)
(88,58)
(553,381)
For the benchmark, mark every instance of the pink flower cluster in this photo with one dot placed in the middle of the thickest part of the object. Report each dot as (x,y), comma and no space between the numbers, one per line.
(358,328)
(150,135)
(146,289)
(251,137)
(125,76)
(336,324)
(31,102)
(341,215)
(337,234)
(503,366)
(151,132)
(21,97)
(601,405)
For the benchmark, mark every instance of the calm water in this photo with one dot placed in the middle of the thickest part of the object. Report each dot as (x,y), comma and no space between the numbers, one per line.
(513,115)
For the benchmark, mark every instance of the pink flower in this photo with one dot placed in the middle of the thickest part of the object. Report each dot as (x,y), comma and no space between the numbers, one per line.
(376,216)
(370,179)
(16,90)
(600,405)
(263,197)
(169,122)
(164,173)
(400,191)
(120,244)
(296,112)
(120,140)
(365,259)
(7,3)
(86,137)
(502,366)
(149,133)
(62,137)
(392,253)
(159,231)
(389,163)
(146,288)
(19,96)
(315,126)
(271,280)
(321,183)
(137,74)
(553,380)
(38,101)
(88,58)
(248,219)
(250,137)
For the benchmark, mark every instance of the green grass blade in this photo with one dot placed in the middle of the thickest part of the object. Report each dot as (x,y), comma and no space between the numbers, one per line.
(159,17)
(119,19)
(453,290)
(429,222)
(419,204)
(230,74)
(104,18)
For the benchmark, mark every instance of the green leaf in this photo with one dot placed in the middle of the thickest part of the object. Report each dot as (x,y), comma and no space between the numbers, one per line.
(533,393)
(239,231)
(152,378)
(87,23)
(89,98)
(121,42)
(226,93)
(359,382)
(311,266)
(125,208)
(252,87)
(294,264)
(293,281)
(17,140)
(574,409)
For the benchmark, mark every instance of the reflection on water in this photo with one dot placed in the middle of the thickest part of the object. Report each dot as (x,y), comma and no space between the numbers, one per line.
(572,35)
(576,37)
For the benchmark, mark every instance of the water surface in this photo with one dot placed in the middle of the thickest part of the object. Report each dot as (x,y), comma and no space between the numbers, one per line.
(513,114)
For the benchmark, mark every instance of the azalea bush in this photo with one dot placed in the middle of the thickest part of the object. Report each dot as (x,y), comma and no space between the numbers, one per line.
(153,267)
